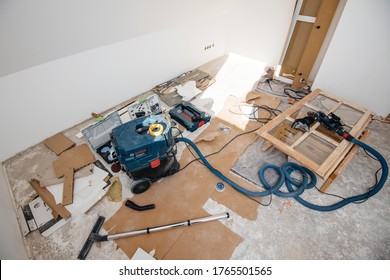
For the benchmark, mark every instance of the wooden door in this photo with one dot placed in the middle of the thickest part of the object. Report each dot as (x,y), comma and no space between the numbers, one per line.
(313,18)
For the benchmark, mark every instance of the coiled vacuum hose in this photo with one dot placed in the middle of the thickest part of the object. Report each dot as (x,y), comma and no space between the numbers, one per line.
(284,178)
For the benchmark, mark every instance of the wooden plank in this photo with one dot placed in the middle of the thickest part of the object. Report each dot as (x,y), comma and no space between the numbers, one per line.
(290,151)
(67,193)
(300,139)
(344,163)
(268,145)
(326,137)
(315,148)
(48,198)
(334,156)
(358,128)
(349,147)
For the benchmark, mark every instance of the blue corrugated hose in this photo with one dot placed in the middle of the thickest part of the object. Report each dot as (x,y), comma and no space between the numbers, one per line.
(300,186)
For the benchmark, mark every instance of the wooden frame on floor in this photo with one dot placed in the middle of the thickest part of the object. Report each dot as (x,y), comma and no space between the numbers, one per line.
(320,150)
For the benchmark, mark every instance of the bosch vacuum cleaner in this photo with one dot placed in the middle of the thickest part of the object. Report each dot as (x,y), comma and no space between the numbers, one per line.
(146,150)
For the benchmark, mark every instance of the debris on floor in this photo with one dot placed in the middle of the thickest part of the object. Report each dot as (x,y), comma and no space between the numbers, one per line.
(169,91)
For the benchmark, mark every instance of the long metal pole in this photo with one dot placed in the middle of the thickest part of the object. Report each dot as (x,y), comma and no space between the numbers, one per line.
(169,226)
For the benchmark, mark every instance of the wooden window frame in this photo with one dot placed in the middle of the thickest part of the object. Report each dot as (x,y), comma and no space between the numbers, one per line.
(341,148)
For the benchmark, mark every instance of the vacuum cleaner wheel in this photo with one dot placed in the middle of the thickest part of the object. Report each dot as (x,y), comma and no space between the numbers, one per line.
(140,185)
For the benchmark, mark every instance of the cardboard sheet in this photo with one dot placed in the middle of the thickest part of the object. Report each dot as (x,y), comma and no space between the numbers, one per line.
(209,241)
(75,158)
(59,143)
(223,161)
(46,175)
(182,196)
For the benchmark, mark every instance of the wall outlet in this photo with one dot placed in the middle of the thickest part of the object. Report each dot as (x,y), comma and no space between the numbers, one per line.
(209,47)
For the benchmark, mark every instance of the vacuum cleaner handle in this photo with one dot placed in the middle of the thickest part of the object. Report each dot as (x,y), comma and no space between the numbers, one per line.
(170,226)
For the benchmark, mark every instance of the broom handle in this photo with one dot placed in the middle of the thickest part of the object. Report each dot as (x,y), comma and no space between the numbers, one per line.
(169,226)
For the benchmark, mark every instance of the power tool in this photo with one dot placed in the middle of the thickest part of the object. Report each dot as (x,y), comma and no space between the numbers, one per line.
(146,150)
(331,122)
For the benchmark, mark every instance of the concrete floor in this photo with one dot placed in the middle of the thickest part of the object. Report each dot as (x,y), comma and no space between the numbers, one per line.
(283,230)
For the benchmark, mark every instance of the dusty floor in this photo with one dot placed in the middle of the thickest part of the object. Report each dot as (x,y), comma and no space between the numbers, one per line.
(283,230)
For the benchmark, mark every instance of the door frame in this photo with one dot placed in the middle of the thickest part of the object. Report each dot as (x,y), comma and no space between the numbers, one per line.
(326,42)
(296,17)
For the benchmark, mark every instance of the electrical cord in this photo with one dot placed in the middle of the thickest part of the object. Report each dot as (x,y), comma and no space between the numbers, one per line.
(369,189)
(343,198)
(188,147)
(272,112)
(288,92)
(198,159)
(255,109)
(216,152)
(262,204)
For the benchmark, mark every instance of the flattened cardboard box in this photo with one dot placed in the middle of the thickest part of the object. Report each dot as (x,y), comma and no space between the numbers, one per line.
(75,158)
(59,143)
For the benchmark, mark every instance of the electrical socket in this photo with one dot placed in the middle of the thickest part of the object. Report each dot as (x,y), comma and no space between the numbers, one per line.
(209,47)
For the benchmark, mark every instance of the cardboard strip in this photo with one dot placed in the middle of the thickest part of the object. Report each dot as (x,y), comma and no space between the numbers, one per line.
(67,194)
(49,199)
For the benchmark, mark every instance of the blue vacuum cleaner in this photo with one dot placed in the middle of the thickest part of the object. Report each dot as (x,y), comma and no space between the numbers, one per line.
(146,150)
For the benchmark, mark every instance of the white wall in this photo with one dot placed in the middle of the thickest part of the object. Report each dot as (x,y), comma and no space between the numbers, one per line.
(258,29)
(39,31)
(11,243)
(356,63)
